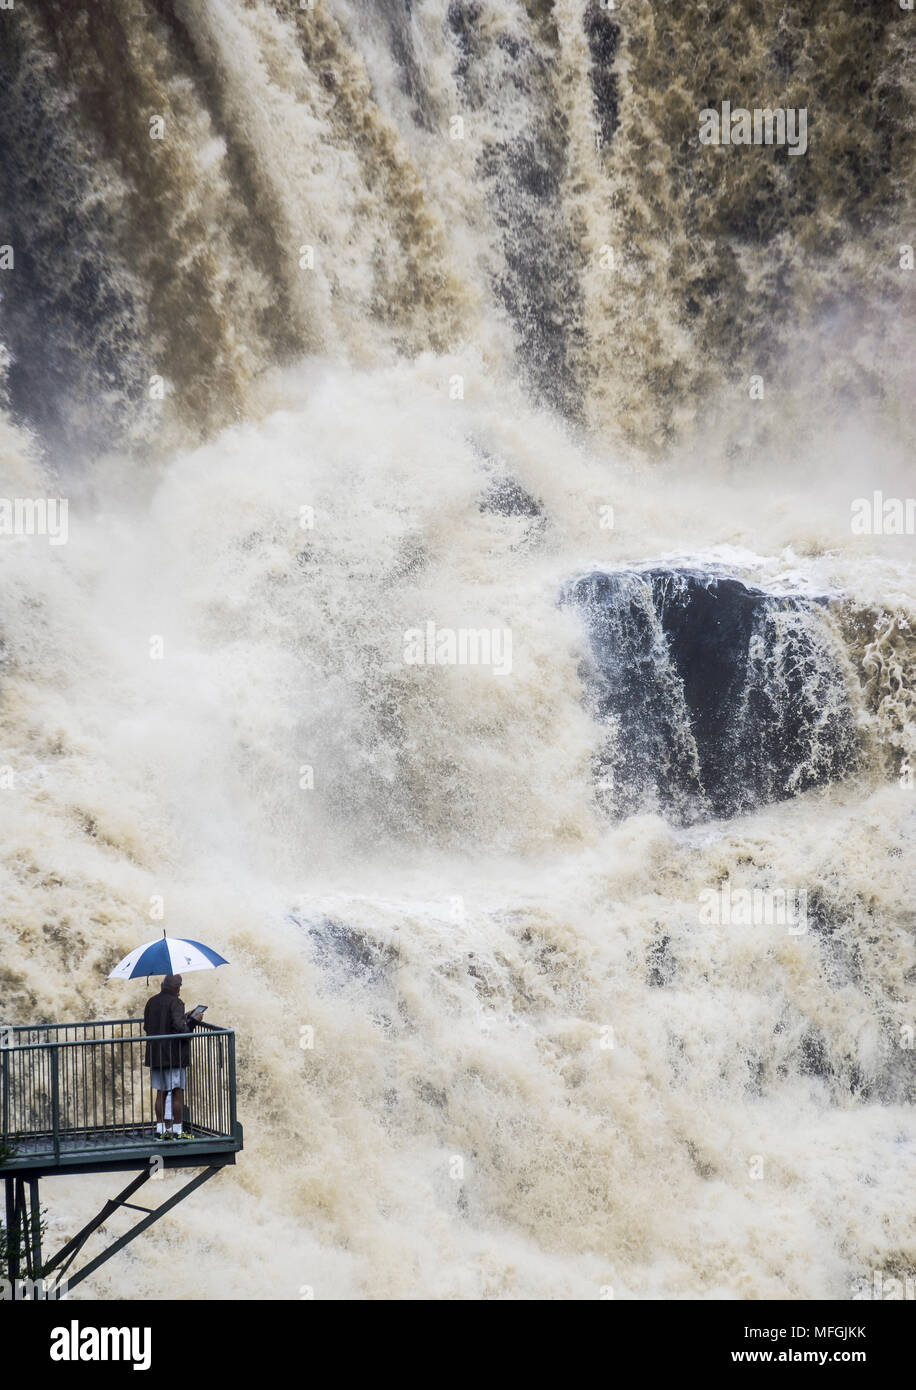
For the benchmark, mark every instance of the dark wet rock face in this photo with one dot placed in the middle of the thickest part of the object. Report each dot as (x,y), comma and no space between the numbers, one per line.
(662,967)
(347,950)
(398,15)
(503,64)
(508,498)
(603,36)
(719,697)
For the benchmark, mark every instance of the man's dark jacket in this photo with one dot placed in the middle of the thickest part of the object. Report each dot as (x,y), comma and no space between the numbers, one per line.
(164,1013)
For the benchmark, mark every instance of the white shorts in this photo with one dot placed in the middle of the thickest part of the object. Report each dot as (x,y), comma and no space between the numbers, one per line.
(168,1078)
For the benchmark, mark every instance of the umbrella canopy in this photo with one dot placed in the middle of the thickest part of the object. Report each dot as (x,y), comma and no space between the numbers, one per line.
(168,956)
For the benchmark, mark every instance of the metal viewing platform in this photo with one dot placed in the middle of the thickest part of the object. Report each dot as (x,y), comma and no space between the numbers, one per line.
(76,1098)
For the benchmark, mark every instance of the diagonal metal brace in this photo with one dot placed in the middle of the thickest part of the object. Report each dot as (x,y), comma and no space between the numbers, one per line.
(73,1246)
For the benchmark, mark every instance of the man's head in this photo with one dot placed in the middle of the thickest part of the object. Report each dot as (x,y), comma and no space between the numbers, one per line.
(172,984)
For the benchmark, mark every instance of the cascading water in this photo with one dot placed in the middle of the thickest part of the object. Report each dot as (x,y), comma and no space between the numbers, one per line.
(722,697)
(311,319)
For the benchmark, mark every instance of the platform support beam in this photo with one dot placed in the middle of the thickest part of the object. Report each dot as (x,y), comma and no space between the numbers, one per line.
(23,1231)
(12,1232)
(74,1245)
(23,1225)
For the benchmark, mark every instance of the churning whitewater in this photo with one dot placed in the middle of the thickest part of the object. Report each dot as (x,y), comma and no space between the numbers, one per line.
(579,965)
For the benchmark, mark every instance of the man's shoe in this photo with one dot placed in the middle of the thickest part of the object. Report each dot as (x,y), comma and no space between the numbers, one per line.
(183,1135)
(165,1138)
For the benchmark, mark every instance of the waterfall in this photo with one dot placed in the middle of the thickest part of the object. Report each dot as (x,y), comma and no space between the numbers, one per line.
(721,697)
(588,965)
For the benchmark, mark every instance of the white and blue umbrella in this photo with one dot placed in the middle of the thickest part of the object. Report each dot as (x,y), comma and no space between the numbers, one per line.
(168,956)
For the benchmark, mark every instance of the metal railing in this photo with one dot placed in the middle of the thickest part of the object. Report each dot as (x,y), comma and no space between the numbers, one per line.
(78,1082)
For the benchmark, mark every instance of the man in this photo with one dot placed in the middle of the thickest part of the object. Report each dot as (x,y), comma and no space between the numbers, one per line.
(168,1058)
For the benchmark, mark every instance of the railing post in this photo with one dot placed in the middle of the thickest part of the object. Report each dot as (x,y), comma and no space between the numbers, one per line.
(5,1085)
(232,1083)
(35,1232)
(187,1118)
(12,1235)
(55,1101)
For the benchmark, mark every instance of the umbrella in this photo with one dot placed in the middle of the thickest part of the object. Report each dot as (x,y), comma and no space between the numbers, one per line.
(168,956)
